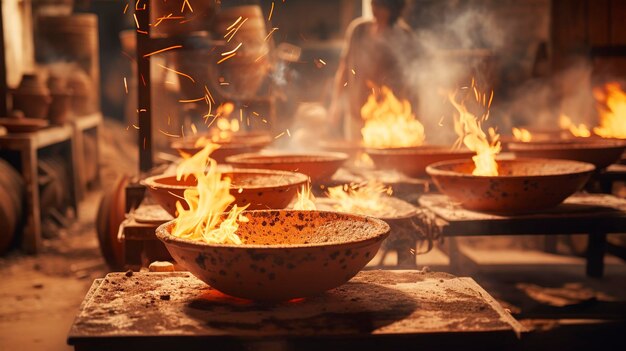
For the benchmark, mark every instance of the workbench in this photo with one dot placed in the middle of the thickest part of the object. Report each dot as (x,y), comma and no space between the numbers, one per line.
(375,310)
(592,214)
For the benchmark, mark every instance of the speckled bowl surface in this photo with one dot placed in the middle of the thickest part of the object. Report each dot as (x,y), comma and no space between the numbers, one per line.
(412,161)
(319,166)
(600,152)
(262,189)
(286,254)
(523,186)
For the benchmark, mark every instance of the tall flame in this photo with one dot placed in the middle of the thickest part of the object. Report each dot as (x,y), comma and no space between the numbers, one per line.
(207,218)
(389,122)
(468,128)
(363,198)
(581,130)
(522,134)
(612,111)
(306,200)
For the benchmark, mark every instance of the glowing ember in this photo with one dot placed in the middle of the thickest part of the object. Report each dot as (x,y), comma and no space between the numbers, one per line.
(207,218)
(306,200)
(364,198)
(580,130)
(469,129)
(612,111)
(522,134)
(389,122)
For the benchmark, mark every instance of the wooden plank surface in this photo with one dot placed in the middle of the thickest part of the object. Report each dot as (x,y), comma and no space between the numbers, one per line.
(157,307)
(581,213)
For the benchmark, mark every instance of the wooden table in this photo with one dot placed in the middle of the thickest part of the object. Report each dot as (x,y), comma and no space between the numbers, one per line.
(592,214)
(22,150)
(375,310)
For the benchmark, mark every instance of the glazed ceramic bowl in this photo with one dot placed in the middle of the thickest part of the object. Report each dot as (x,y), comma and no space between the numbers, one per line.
(262,189)
(319,166)
(237,144)
(523,186)
(285,254)
(412,161)
(600,152)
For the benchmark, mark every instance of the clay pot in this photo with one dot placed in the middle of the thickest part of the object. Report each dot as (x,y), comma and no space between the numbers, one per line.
(82,93)
(199,19)
(523,186)
(262,189)
(23,125)
(319,166)
(350,148)
(11,204)
(286,254)
(600,152)
(32,97)
(245,71)
(239,144)
(412,161)
(61,104)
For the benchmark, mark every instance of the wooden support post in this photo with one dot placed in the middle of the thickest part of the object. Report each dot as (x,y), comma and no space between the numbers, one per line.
(144,114)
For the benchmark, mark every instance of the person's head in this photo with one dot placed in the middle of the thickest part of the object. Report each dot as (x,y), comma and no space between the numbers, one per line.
(387,11)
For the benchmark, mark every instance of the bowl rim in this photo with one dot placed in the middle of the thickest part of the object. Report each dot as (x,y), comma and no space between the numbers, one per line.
(434,171)
(297,179)
(163,234)
(282,157)
(428,149)
(596,144)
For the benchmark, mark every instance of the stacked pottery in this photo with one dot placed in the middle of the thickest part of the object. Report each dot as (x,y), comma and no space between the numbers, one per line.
(61,104)
(80,85)
(32,97)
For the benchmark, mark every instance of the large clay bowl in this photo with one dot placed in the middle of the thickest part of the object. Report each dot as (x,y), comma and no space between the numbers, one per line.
(412,161)
(285,254)
(262,189)
(319,166)
(523,186)
(237,144)
(350,148)
(599,152)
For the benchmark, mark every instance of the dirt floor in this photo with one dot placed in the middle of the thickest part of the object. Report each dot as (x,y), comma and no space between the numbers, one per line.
(40,294)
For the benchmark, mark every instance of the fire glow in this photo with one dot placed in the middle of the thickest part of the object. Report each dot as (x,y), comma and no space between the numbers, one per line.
(208,218)
(389,122)
(522,134)
(612,111)
(469,129)
(305,200)
(580,130)
(364,198)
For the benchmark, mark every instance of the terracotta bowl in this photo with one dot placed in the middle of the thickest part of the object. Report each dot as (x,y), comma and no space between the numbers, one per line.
(238,144)
(262,189)
(413,161)
(601,153)
(523,186)
(350,148)
(319,166)
(286,254)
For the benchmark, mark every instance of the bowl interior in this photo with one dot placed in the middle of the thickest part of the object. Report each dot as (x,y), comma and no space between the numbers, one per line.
(516,168)
(287,158)
(417,150)
(240,179)
(291,228)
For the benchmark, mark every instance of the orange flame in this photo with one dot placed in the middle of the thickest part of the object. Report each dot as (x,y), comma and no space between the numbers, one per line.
(469,129)
(612,111)
(389,122)
(522,134)
(207,218)
(580,130)
(306,200)
(363,198)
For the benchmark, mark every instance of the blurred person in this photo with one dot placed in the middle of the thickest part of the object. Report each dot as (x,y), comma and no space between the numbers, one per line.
(371,57)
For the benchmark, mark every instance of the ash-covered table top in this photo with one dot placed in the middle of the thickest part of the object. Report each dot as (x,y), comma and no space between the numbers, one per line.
(160,309)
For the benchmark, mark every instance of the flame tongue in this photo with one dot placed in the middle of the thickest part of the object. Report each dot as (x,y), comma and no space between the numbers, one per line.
(522,134)
(364,198)
(612,111)
(580,130)
(389,122)
(208,202)
(468,128)
(306,200)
